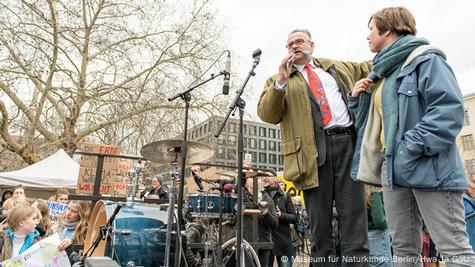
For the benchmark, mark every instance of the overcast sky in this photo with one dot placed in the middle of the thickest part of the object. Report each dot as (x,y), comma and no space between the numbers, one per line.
(339,30)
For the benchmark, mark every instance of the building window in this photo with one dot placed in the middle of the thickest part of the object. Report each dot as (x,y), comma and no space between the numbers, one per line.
(232,154)
(252,130)
(278,134)
(279,145)
(220,154)
(281,160)
(262,158)
(466,118)
(262,144)
(205,129)
(272,146)
(262,132)
(254,156)
(272,159)
(467,142)
(232,127)
(244,142)
(470,166)
(244,129)
(272,133)
(252,143)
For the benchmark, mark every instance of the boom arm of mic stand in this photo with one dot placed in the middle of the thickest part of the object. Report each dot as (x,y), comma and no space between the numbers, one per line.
(182,94)
(237,100)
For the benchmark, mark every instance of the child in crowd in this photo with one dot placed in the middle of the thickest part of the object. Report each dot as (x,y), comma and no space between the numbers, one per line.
(21,233)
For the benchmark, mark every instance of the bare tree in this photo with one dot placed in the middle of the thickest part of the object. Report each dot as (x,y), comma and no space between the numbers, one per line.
(100,69)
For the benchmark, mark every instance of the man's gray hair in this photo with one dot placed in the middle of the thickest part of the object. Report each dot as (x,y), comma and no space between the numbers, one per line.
(307,32)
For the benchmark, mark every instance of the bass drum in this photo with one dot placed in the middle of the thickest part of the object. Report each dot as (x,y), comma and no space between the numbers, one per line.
(138,233)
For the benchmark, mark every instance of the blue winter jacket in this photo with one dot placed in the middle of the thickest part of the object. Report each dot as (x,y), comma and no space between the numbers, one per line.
(431,115)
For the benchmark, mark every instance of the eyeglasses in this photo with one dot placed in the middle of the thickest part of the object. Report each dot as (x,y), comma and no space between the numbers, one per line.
(295,42)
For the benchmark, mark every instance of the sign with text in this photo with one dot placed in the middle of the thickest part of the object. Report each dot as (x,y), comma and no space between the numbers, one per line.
(88,164)
(42,253)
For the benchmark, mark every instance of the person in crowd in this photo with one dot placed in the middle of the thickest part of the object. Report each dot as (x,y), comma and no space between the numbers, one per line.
(308,99)
(19,200)
(283,249)
(378,236)
(45,224)
(73,224)
(6,194)
(410,111)
(469,204)
(18,190)
(156,189)
(267,221)
(21,233)
(61,196)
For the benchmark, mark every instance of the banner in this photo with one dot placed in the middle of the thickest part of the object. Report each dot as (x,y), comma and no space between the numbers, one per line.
(56,209)
(43,253)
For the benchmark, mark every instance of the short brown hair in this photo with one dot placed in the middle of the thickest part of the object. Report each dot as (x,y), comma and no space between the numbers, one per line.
(18,215)
(398,20)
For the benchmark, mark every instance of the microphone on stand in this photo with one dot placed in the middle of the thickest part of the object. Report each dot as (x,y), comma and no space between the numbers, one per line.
(227,75)
(197,180)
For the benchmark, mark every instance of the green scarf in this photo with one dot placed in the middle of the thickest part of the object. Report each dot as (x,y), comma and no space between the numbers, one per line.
(387,65)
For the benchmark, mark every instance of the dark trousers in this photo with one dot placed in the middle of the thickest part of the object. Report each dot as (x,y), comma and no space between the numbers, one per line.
(335,185)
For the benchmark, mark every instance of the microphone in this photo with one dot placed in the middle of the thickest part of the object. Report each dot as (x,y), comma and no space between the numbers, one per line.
(256,53)
(227,75)
(197,180)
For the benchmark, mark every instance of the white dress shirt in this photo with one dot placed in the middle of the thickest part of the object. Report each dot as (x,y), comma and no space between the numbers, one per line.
(340,116)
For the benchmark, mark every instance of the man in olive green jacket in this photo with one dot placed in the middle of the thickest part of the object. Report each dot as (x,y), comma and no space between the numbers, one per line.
(308,97)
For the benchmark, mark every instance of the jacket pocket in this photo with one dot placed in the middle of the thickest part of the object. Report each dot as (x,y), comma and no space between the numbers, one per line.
(294,164)
(414,170)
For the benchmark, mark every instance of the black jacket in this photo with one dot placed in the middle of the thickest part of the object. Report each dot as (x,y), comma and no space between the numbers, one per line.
(267,222)
(282,235)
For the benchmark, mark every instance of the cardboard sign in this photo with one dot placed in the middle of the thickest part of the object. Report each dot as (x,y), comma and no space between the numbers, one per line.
(87,171)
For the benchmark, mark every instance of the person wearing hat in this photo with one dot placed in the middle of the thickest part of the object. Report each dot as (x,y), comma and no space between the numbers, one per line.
(156,189)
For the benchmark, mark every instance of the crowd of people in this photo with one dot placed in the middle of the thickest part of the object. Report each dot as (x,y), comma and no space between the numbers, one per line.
(25,222)
(370,144)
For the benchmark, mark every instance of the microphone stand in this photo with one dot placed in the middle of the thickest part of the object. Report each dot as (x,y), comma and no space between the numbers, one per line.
(185,95)
(171,208)
(238,102)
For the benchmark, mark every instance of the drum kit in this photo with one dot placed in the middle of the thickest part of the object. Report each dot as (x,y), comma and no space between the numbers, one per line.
(144,234)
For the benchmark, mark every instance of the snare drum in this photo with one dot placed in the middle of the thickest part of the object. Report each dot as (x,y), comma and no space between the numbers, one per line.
(208,205)
(138,233)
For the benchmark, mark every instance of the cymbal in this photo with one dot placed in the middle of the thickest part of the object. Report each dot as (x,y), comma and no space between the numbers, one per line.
(168,151)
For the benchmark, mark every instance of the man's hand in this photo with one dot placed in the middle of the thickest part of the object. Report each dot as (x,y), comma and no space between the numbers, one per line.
(285,68)
(360,86)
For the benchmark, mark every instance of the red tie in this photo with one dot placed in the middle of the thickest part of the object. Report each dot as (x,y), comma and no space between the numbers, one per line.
(317,90)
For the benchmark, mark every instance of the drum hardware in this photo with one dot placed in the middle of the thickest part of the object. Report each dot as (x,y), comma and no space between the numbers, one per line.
(171,206)
(138,233)
(104,231)
(166,151)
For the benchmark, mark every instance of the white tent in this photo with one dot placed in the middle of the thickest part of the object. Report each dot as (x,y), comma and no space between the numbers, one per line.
(55,171)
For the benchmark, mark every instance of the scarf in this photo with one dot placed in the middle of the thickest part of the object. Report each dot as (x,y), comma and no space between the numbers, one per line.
(387,65)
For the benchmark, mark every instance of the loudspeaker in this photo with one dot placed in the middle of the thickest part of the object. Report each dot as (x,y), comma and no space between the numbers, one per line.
(100,262)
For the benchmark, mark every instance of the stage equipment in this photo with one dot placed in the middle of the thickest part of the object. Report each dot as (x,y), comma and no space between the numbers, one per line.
(239,103)
(136,235)
(166,151)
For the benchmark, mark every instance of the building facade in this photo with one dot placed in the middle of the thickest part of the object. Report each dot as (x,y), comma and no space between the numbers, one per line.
(261,140)
(465,140)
